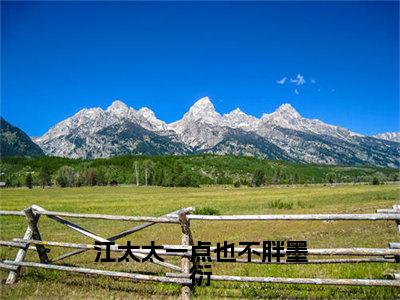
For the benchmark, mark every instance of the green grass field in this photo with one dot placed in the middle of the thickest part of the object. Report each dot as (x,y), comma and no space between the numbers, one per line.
(156,201)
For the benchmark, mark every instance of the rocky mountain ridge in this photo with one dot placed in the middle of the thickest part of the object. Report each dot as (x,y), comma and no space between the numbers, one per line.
(282,134)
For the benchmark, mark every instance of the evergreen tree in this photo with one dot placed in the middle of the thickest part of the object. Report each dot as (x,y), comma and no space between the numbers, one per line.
(330,177)
(395,177)
(44,176)
(90,177)
(375,181)
(29,180)
(259,178)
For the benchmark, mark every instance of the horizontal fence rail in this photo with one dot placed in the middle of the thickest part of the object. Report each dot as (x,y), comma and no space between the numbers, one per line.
(356,282)
(326,251)
(12,213)
(136,277)
(18,243)
(32,240)
(391,216)
(110,217)
(309,217)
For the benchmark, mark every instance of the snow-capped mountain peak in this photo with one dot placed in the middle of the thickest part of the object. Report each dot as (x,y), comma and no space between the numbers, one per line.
(118,108)
(88,112)
(196,124)
(287,110)
(150,117)
(203,108)
(286,116)
(204,102)
(235,112)
(238,119)
(147,112)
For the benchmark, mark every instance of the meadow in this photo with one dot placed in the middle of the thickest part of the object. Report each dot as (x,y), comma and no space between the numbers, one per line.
(156,201)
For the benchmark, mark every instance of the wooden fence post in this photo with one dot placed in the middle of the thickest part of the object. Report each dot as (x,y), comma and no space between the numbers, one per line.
(396,257)
(13,275)
(32,232)
(33,224)
(187,240)
(396,207)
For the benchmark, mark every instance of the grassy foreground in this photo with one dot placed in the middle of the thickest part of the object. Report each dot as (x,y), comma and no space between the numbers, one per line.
(155,201)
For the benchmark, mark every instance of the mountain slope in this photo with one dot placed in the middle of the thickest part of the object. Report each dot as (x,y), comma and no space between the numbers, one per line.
(15,142)
(116,139)
(310,147)
(241,143)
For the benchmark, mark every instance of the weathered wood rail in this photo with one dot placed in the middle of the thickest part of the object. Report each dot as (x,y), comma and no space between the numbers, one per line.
(32,240)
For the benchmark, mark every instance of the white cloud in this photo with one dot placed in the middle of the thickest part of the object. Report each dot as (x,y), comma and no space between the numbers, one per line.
(296,91)
(282,81)
(299,80)
(313,81)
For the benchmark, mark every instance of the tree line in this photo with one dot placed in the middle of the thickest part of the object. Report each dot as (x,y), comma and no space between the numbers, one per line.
(180,171)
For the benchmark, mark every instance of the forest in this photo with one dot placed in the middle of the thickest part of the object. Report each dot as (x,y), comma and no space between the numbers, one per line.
(171,171)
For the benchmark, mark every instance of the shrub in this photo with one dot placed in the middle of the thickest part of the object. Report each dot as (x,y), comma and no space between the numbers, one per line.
(375,181)
(236,184)
(66,177)
(207,210)
(303,204)
(259,178)
(186,180)
(395,177)
(278,204)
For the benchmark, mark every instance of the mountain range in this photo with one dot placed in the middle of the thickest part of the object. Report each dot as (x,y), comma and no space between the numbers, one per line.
(283,134)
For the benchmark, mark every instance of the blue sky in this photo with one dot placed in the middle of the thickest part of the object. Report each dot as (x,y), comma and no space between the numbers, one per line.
(59,57)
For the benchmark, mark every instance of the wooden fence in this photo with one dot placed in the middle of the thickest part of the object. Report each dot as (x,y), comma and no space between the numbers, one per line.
(32,240)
